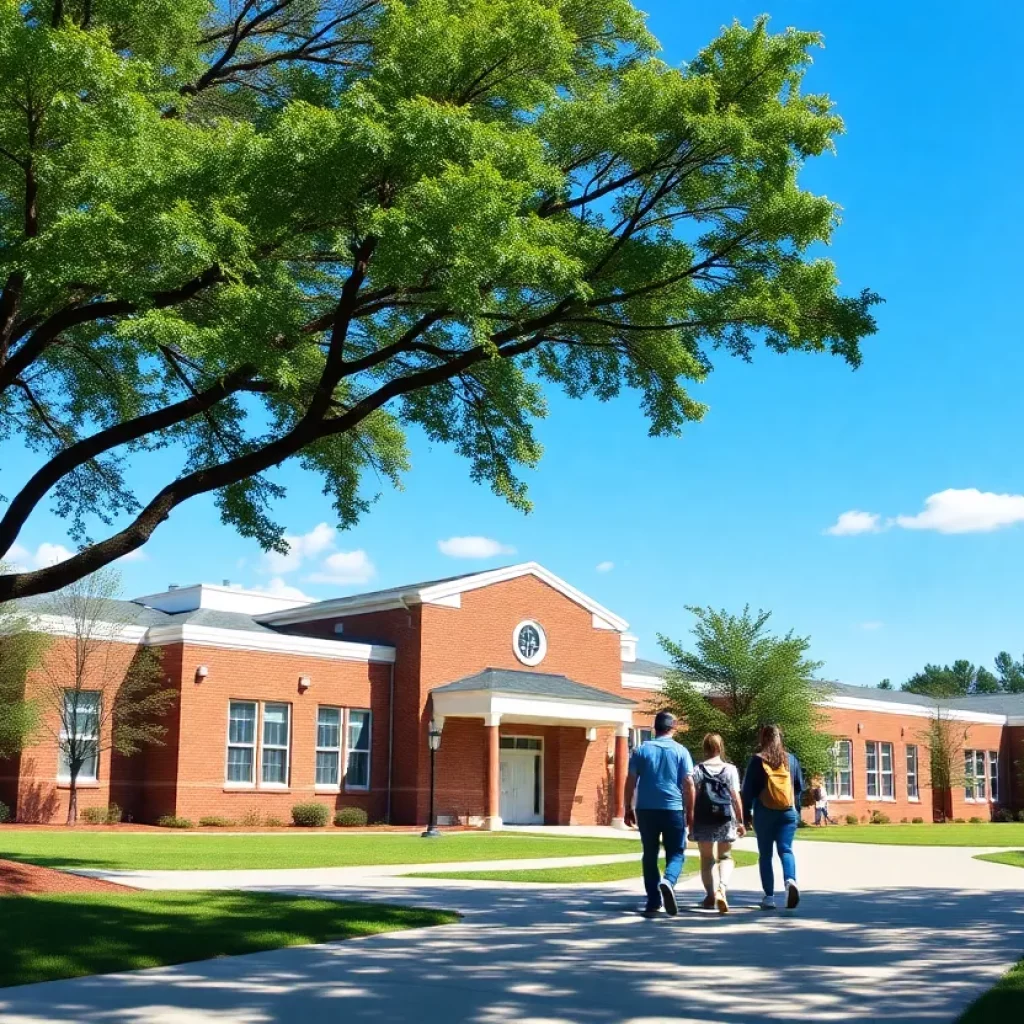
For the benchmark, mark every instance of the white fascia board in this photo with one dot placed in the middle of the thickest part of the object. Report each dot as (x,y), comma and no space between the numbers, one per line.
(1015,720)
(634,681)
(338,608)
(523,708)
(912,710)
(63,625)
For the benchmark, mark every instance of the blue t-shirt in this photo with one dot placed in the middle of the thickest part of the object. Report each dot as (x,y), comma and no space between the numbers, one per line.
(661,766)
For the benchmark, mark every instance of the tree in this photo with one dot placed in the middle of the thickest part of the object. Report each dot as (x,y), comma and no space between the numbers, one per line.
(956,680)
(740,677)
(944,739)
(271,230)
(97,693)
(21,650)
(1011,673)
(885,684)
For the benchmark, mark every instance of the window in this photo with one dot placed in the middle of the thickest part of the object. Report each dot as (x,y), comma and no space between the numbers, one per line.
(638,736)
(275,744)
(520,743)
(913,789)
(879,770)
(241,741)
(80,726)
(839,779)
(993,775)
(974,774)
(357,767)
(328,746)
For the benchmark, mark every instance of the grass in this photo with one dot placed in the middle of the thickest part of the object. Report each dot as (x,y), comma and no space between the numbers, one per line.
(1015,858)
(175,852)
(68,936)
(586,873)
(1003,1003)
(987,834)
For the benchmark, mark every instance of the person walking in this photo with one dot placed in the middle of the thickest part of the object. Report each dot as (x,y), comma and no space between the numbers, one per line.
(660,778)
(821,805)
(772,786)
(717,820)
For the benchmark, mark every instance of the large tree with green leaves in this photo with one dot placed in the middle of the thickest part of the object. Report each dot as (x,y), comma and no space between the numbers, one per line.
(271,230)
(738,677)
(21,650)
(957,680)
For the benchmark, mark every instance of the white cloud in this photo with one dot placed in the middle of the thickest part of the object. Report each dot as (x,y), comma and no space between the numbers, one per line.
(345,567)
(138,555)
(966,511)
(604,566)
(871,626)
(473,547)
(277,587)
(300,548)
(45,555)
(853,522)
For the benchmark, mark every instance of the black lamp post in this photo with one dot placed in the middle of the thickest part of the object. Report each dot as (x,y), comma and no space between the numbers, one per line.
(434,739)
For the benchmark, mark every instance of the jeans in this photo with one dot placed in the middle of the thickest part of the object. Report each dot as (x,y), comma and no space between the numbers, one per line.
(657,827)
(775,828)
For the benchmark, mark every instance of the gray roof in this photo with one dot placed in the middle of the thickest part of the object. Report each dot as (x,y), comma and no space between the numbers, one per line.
(993,704)
(537,684)
(643,667)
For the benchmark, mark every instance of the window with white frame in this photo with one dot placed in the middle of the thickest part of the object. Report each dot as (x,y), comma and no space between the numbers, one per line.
(913,786)
(974,775)
(328,746)
(274,758)
(79,730)
(357,760)
(839,778)
(879,770)
(241,742)
(993,776)
(639,736)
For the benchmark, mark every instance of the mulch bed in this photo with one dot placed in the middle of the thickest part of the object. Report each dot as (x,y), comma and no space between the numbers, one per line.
(259,829)
(31,880)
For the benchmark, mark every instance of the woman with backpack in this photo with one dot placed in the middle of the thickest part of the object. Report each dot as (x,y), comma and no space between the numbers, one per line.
(772,786)
(717,820)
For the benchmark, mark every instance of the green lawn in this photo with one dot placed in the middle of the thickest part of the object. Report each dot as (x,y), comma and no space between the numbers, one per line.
(1015,858)
(1001,1004)
(71,935)
(176,852)
(987,834)
(588,873)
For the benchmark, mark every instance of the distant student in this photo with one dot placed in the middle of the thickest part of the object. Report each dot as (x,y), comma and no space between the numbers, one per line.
(821,805)
(772,787)
(717,820)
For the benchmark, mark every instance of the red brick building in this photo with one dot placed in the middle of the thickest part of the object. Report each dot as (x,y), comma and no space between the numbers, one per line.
(536,687)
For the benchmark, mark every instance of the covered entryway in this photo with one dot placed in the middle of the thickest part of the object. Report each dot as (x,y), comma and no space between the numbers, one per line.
(514,762)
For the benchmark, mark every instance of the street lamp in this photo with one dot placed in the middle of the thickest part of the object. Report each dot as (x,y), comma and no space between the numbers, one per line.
(434,739)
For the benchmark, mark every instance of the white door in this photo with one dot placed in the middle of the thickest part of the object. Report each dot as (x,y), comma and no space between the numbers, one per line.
(522,780)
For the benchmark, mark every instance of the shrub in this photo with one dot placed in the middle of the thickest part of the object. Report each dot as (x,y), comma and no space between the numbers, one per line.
(852,819)
(215,821)
(904,821)
(173,821)
(350,817)
(114,814)
(102,815)
(310,815)
(1020,815)
(5,812)
(1002,814)
(959,821)
(917,821)
(273,822)
(251,819)
(976,821)
(878,818)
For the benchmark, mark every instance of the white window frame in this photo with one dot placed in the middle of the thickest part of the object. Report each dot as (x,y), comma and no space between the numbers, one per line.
(637,735)
(975,781)
(993,776)
(879,773)
(329,787)
(913,777)
(834,777)
(63,767)
(254,746)
(349,750)
(286,746)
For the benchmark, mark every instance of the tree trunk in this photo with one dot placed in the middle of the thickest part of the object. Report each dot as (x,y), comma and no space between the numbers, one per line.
(73,800)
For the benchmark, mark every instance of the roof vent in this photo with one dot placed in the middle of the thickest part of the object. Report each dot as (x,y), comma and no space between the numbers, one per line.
(227,583)
(172,586)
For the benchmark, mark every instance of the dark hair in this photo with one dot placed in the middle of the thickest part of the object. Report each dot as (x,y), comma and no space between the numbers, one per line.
(664,721)
(770,749)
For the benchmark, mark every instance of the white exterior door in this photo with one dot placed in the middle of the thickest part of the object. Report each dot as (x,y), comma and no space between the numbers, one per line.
(522,780)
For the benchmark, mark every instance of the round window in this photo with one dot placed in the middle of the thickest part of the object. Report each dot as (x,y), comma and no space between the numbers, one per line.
(529,642)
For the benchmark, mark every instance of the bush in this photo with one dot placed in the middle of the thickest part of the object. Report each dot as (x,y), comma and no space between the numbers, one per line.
(1020,815)
(173,821)
(114,815)
(251,818)
(852,819)
(976,821)
(350,817)
(1002,814)
(904,821)
(917,821)
(878,818)
(102,815)
(959,821)
(310,815)
(215,821)
(272,822)
(5,812)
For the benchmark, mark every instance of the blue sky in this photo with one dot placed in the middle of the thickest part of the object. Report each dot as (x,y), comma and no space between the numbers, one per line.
(736,511)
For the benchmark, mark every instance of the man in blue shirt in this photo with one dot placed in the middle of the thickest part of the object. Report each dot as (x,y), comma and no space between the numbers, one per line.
(659,774)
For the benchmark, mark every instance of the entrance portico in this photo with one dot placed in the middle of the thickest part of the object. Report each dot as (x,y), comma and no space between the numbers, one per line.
(508,697)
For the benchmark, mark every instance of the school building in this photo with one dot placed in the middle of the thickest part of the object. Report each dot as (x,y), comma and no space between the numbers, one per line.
(536,687)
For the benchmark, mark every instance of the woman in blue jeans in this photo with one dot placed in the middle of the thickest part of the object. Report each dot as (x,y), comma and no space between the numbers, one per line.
(771,795)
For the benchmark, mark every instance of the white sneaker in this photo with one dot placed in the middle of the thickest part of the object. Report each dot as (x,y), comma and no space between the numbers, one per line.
(768,903)
(792,894)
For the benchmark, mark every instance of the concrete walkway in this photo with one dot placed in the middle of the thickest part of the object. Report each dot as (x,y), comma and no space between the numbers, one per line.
(884,933)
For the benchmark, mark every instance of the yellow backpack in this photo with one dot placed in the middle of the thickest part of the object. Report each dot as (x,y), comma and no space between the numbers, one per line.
(777,794)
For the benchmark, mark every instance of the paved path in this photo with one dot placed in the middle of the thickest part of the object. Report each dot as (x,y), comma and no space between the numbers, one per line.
(883,934)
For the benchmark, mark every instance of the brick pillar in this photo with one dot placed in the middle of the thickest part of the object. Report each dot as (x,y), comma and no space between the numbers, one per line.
(492,820)
(621,770)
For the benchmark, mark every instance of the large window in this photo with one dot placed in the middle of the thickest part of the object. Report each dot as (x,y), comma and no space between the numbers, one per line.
(357,767)
(879,770)
(993,775)
(79,728)
(275,744)
(328,747)
(839,778)
(974,775)
(913,786)
(241,741)
(639,736)
(247,720)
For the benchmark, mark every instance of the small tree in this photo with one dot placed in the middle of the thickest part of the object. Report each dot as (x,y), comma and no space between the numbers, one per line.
(945,738)
(21,648)
(885,684)
(94,699)
(739,678)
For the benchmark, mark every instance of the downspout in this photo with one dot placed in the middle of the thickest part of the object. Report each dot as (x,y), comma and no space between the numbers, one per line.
(391,741)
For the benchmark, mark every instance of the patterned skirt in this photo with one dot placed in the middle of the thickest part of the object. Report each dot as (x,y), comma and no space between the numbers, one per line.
(724,832)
